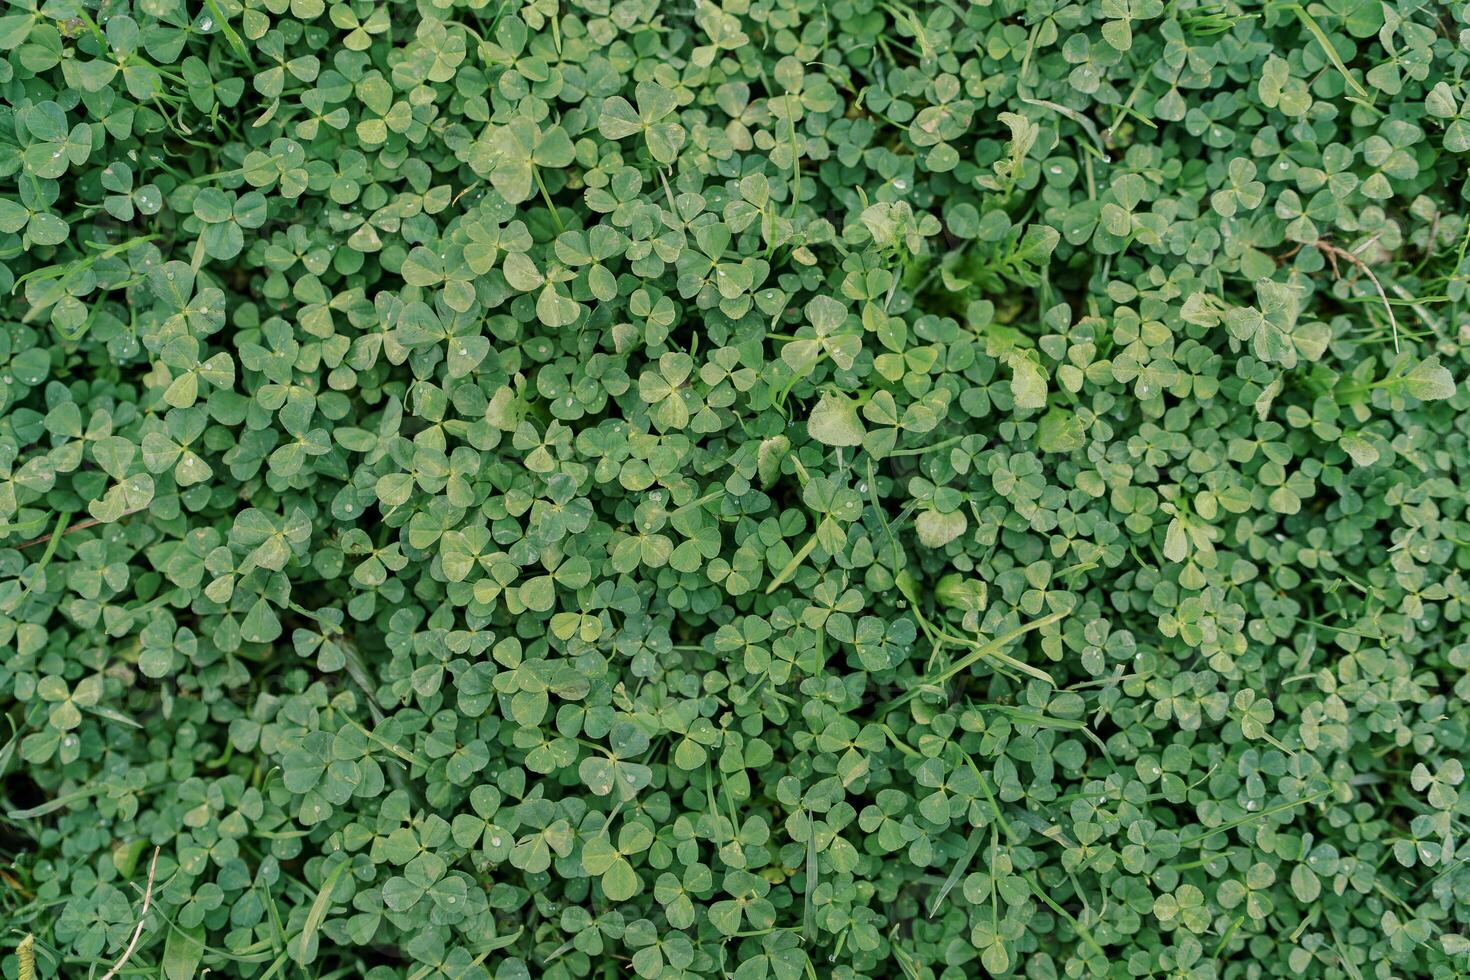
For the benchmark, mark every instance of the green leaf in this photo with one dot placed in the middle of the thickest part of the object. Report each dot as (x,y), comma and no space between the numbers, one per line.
(1060,431)
(1430,381)
(182,951)
(618,119)
(620,882)
(1304,884)
(834,421)
(937,529)
(1028,381)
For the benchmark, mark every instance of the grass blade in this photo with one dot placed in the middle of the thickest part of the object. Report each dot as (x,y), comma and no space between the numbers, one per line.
(979,651)
(971,849)
(305,944)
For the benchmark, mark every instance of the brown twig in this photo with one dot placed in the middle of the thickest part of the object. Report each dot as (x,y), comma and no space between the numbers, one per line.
(1334,253)
(78,526)
(1288,254)
(142,920)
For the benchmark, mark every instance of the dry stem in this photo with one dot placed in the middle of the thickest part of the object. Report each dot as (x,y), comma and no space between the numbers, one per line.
(78,526)
(142,920)
(1334,253)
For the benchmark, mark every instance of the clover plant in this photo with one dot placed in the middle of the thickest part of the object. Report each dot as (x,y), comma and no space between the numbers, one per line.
(734,489)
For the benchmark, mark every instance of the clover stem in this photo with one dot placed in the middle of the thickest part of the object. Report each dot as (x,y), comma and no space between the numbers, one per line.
(780,399)
(994,912)
(402,753)
(924,450)
(1078,927)
(989,796)
(1127,109)
(1030,49)
(1276,743)
(899,743)
(712,495)
(1229,935)
(1306,923)
(546,196)
(808,913)
(50,551)
(1232,824)
(802,476)
(793,564)
(236,172)
(795,160)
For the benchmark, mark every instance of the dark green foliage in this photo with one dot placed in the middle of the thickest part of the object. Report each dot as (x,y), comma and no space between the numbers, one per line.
(744,489)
